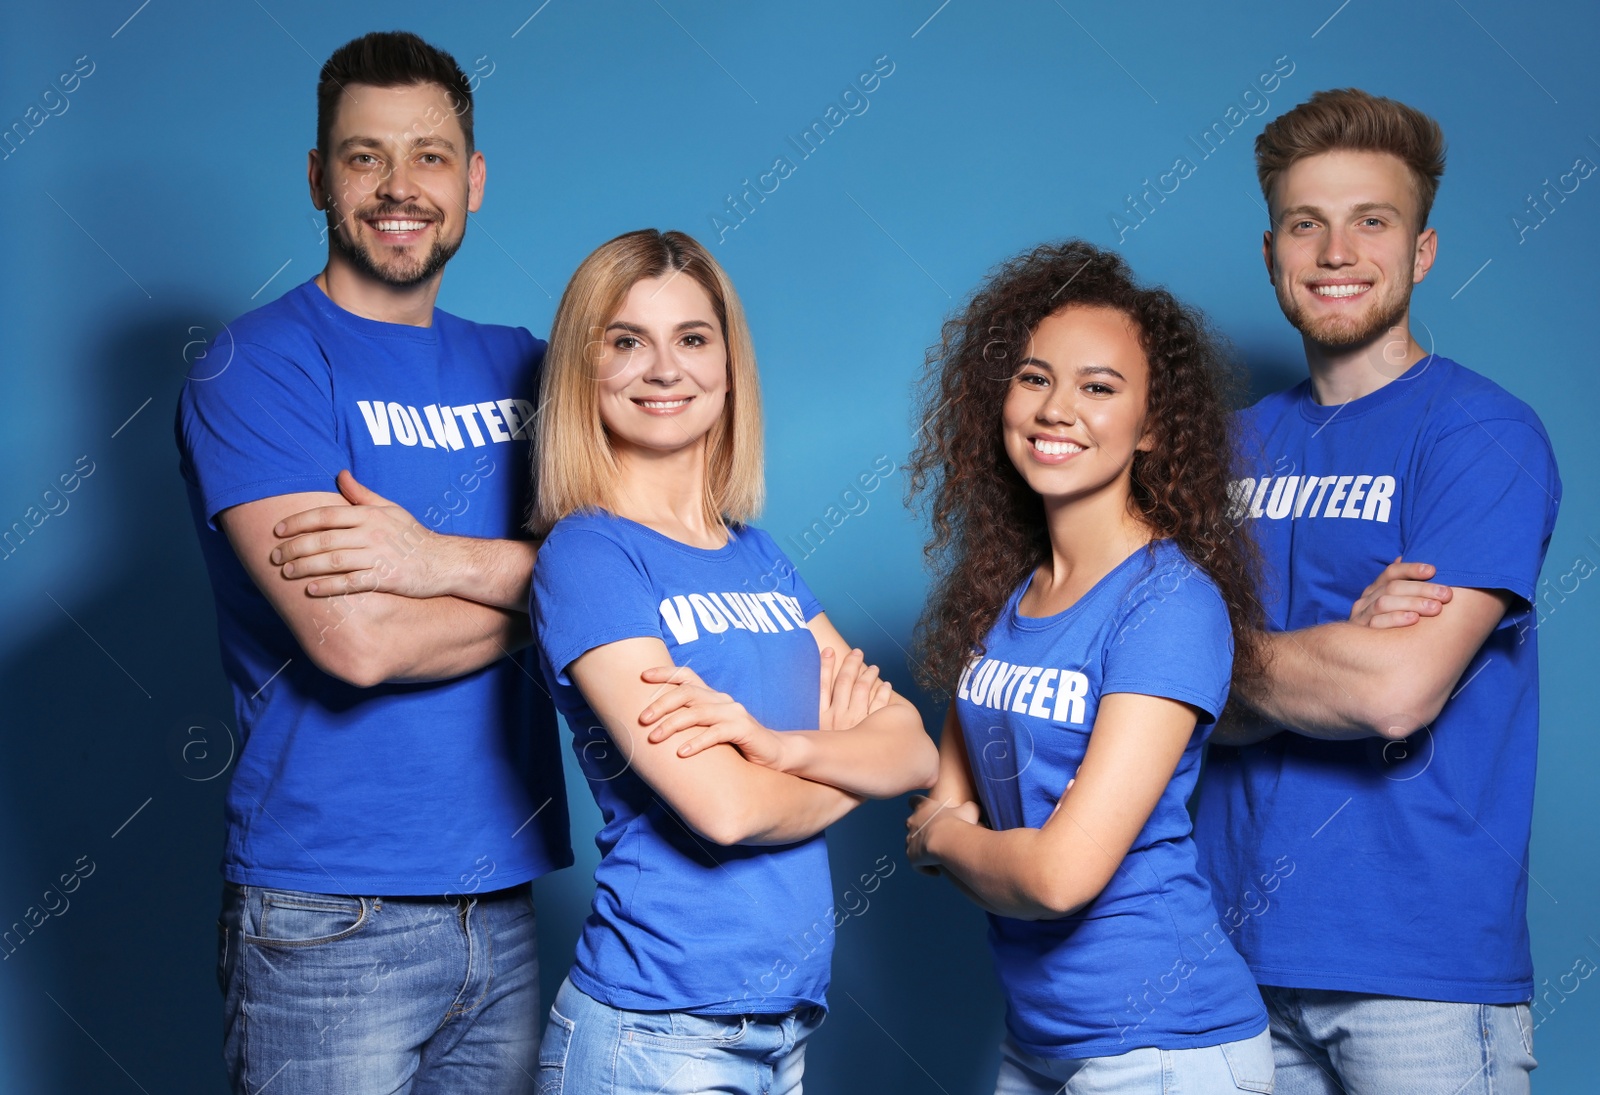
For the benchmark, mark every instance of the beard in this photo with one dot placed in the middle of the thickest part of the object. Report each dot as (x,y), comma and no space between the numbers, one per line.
(401,272)
(1344,332)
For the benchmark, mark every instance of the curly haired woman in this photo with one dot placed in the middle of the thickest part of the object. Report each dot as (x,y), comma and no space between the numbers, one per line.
(1093,607)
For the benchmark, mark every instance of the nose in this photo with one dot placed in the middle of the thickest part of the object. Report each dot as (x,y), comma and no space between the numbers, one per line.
(1060,408)
(1337,247)
(663,368)
(395,184)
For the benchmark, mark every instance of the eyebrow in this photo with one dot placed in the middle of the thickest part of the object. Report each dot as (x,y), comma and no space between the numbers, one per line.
(1359,210)
(425,141)
(635,329)
(1083,370)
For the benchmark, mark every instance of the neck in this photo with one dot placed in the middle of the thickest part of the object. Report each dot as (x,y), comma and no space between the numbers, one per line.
(1341,374)
(357,292)
(666,492)
(1090,536)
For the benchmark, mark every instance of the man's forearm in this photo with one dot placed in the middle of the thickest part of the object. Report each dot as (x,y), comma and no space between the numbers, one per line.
(392,639)
(496,573)
(1335,682)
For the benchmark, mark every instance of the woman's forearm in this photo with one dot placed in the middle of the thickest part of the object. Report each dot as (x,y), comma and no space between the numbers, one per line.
(884,755)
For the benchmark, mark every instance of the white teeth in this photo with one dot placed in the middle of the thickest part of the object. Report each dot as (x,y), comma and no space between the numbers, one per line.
(1055,448)
(401,226)
(1339,290)
(663,404)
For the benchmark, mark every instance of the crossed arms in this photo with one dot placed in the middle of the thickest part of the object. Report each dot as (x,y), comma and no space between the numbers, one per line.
(1386,672)
(371,595)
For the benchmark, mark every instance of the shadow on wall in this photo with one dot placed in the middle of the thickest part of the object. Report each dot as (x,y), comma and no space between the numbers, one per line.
(116,765)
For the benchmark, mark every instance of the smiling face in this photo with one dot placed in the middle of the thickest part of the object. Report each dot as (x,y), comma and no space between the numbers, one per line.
(1074,412)
(397,183)
(662,368)
(1346,247)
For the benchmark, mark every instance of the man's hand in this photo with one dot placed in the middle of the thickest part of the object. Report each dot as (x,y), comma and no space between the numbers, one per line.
(688,703)
(371,544)
(851,691)
(1400,596)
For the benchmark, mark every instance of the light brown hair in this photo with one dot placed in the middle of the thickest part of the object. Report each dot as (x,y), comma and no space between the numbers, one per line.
(573,463)
(1349,119)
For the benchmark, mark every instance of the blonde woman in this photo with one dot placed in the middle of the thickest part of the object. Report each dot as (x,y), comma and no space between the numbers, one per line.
(686,655)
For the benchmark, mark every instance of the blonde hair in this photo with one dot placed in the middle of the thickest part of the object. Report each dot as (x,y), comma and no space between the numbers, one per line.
(1351,119)
(574,465)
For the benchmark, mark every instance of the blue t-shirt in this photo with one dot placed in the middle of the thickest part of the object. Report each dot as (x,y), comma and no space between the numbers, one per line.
(441,787)
(1146,963)
(679,923)
(1409,859)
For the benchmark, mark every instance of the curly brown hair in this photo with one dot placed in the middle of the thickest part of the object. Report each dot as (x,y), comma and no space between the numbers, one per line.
(988,528)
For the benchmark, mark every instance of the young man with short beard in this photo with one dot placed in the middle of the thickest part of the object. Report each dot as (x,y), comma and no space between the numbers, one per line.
(399,783)
(1393,761)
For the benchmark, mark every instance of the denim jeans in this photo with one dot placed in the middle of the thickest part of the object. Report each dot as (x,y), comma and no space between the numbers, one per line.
(591,1048)
(1245,1065)
(326,994)
(1347,1043)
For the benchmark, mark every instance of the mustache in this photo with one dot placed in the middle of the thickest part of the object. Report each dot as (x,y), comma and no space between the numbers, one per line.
(394,212)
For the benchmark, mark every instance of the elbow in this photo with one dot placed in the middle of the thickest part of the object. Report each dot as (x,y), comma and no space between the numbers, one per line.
(926,765)
(1401,705)
(349,656)
(1057,896)
(724,823)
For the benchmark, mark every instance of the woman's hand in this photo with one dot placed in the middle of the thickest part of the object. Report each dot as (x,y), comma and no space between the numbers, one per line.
(688,704)
(850,691)
(926,815)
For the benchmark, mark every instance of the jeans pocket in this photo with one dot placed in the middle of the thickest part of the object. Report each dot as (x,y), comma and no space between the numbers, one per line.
(679,1029)
(1524,1018)
(222,956)
(1250,1063)
(290,918)
(553,1054)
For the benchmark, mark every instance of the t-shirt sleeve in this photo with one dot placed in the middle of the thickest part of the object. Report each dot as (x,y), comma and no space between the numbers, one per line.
(262,426)
(781,575)
(1173,641)
(587,592)
(1485,506)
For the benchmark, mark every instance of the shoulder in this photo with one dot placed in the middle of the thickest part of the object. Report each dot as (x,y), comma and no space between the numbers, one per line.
(755,539)
(504,343)
(1462,397)
(1273,406)
(1169,577)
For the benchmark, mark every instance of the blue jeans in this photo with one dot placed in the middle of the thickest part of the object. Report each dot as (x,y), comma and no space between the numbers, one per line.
(1348,1043)
(592,1048)
(325,994)
(1226,1069)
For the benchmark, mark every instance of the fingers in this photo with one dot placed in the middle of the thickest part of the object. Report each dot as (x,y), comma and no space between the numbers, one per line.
(844,678)
(1421,605)
(1385,620)
(358,494)
(339,585)
(672,674)
(882,693)
(681,698)
(321,543)
(315,520)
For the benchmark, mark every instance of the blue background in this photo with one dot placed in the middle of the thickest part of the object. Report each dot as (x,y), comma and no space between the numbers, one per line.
(169,197)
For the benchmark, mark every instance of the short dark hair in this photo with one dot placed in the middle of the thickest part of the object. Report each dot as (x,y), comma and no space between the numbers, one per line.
(1351,119)
(393,58)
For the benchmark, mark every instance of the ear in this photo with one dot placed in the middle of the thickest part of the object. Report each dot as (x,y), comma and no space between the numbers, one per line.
(319,192)
(477,171)
(1266,253)
(1427,251)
